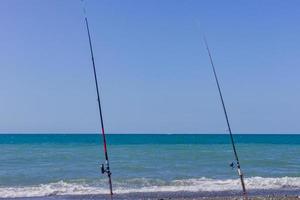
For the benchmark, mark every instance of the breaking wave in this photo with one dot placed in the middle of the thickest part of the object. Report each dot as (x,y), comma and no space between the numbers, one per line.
(150,185)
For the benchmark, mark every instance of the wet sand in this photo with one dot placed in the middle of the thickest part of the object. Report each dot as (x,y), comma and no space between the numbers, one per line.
(96,197)
(236,195)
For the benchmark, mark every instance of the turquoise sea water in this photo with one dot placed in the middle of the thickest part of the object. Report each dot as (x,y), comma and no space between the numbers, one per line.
(63,164)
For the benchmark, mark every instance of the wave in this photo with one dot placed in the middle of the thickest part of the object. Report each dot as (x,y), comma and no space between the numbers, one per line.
(150,185)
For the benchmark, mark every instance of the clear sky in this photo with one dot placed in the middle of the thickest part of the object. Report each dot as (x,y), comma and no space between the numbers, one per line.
(154,71)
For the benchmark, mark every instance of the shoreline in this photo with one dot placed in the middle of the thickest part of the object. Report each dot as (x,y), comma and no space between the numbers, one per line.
(180,195)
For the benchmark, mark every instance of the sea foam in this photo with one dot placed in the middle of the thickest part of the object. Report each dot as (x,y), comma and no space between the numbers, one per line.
(148,185)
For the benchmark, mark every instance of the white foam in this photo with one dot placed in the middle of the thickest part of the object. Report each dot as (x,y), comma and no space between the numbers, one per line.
(59,188)
(189,185)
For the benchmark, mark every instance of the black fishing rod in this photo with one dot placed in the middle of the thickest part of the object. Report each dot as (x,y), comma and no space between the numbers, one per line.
(104,167)
(228,124)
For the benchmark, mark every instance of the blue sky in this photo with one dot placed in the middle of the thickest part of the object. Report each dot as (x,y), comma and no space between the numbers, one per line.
(154,71)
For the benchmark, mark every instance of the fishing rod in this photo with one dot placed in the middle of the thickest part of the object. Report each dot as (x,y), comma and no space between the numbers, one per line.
(104,167)
(228,124)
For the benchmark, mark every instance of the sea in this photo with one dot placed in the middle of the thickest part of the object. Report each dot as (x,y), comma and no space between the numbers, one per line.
(68,166)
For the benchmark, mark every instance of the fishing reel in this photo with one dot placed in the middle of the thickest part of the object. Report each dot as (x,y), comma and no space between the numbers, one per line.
(105,169)
(233,165)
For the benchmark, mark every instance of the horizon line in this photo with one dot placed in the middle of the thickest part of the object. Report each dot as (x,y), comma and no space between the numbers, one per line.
(148,133)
